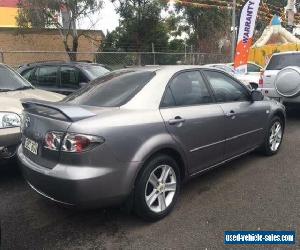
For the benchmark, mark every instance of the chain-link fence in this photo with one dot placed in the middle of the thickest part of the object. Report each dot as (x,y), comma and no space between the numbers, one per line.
(114,60)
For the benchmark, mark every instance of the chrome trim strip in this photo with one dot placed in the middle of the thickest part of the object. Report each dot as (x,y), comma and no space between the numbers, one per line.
(228,139)
(48,197)
(206,146)
(247,133)
(223,162)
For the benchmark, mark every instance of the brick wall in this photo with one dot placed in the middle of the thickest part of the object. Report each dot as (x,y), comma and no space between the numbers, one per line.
(46,40)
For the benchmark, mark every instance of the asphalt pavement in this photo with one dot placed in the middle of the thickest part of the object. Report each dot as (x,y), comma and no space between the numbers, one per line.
(251,193)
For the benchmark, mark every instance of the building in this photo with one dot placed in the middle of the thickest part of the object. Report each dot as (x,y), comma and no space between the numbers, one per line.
(8,13)
(38,45)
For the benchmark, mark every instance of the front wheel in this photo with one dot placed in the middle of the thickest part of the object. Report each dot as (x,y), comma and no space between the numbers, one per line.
(157,188)
(273,138)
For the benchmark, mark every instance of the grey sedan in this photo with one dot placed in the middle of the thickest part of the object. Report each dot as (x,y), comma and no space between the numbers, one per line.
(135,135)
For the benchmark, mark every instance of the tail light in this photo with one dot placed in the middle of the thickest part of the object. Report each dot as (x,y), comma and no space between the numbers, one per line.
(77,143)
(71,143)
(53,140)
(261,79)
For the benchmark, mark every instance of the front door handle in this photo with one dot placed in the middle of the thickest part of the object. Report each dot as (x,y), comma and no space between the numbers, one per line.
(176,120)
(231,114)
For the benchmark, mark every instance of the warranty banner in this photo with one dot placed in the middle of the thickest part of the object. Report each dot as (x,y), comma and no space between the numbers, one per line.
(245,37)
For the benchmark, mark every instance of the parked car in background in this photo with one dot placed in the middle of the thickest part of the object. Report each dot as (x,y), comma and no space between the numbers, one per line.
(280,79)
(252,76)
(248,79)
(227,68)
(137,134)
(62,77)
(13,88)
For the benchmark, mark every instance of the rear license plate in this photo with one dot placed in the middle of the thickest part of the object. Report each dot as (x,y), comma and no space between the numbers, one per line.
(31,146)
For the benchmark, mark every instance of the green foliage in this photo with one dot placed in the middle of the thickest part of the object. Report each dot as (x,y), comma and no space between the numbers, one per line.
(140,26)
(206,26)
(44,13)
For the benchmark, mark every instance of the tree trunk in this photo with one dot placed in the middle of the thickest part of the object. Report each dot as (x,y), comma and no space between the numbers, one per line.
(73,54)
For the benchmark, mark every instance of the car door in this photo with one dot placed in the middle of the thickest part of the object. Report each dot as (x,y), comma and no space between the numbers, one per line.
(245,120)
(194,120)
(45,77)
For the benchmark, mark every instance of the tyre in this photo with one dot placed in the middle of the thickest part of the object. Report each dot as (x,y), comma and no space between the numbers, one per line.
(273,138)
(157,188)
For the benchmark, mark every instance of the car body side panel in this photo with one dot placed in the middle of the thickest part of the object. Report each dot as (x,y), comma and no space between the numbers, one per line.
(244,128)
(132,135)
(201,135)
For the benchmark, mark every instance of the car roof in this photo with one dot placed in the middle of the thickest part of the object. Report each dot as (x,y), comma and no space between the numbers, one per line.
(60,63)
(286,53)
(170,69)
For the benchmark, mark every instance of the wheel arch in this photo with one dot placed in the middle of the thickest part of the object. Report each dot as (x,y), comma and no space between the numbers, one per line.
(170,151)
(281,115)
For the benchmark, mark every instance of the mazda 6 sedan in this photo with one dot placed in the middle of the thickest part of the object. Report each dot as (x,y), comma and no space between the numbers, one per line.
(135,135)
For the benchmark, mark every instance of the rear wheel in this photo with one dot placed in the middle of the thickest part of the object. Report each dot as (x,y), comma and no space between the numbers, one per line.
(157,188)
(274,136)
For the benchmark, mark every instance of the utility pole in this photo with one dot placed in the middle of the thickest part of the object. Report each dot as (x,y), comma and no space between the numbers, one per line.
(233,24)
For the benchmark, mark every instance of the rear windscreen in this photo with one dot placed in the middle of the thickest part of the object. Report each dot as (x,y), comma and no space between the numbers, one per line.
(279,62)
(112,90)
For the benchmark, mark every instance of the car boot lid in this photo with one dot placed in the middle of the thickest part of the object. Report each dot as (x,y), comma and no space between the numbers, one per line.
(71,112)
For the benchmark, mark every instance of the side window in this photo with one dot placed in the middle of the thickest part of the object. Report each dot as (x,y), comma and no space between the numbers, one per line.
(69,77)
(253,68)
(47,76)
(168,100)
(225,88)
(27,74)
(186,89)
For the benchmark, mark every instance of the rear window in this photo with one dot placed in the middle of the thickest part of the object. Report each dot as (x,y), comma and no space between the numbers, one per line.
(112,90)
(95,71)
(279,62)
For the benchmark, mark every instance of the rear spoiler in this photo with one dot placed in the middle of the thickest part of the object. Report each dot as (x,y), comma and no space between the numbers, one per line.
(71,112)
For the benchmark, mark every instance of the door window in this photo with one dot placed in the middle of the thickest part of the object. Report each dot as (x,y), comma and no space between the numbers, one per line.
(69,77)
(187,88)
(252,68)
(27,74)
(225,88)
(47,76)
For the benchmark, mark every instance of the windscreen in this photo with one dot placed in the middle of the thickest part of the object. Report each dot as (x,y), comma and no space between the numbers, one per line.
(112,90)
(279,62)
(10,80)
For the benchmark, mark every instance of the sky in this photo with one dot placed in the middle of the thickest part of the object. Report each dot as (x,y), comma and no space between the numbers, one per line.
(107,19)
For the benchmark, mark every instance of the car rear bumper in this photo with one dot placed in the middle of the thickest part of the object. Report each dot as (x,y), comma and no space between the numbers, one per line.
(79,185)
(9,140)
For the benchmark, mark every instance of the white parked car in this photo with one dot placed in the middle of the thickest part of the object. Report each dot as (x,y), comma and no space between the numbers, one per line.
(281,77)
(252,77)
(13,88)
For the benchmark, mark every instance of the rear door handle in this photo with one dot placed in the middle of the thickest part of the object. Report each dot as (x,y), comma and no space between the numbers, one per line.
(231,114)
(176,120)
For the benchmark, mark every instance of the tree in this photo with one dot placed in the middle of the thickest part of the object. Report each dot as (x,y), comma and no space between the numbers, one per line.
(141,25)
(42,14)
(206,26)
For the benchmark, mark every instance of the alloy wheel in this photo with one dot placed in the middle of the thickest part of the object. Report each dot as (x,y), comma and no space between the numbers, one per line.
(275,136)
(160,188)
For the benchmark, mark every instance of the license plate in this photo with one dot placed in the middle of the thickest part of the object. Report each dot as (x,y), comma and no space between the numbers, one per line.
(31,146)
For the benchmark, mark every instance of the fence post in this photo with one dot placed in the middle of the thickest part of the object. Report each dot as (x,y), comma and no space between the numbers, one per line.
(1,56)
(153,52)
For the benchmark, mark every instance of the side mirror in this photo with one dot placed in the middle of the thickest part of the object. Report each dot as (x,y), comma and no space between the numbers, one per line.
(82,84)
(254,85)
(256,96)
